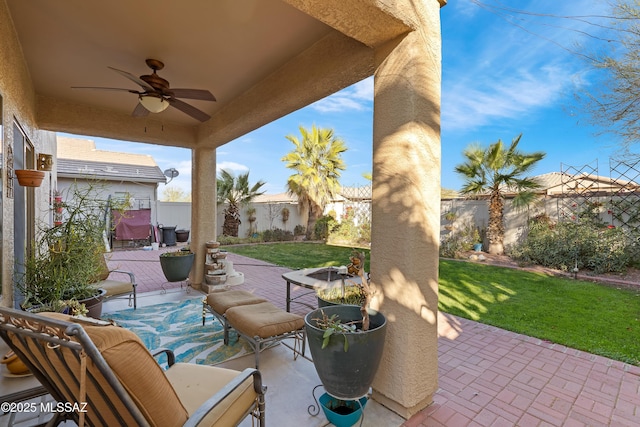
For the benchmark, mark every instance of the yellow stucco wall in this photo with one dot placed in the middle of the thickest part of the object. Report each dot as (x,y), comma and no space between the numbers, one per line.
(18,100)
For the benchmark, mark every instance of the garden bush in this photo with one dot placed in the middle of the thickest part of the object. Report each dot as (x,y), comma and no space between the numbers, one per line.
(324,225)
(299,230)
(582,243)
(349,231)
(459,240)
(277,235)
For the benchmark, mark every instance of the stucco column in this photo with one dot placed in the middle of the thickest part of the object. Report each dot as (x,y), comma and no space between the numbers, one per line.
(406,212)
(203,208)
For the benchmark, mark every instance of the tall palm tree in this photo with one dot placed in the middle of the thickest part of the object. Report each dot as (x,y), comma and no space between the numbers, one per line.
(493,171)
(235,192)
(317,162)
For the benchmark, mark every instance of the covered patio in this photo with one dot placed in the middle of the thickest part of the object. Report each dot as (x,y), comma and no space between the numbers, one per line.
(487,376)
(264,59)
(261,59)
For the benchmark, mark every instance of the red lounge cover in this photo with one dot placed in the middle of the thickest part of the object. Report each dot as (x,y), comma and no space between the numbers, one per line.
(133,225)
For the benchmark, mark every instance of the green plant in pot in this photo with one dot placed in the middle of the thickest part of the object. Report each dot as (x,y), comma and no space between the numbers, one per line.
(68,258)
(176,265)
(346,343)
(350,292)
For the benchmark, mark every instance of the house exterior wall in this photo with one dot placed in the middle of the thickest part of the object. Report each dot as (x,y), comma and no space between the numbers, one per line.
(18,106)
(143,195)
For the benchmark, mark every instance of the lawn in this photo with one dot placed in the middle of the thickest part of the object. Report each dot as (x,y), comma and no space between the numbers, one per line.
(598,319)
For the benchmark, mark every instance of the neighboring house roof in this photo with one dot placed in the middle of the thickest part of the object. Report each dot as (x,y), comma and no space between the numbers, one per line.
(79,158)
(556,183)
(562,183)
(275,198)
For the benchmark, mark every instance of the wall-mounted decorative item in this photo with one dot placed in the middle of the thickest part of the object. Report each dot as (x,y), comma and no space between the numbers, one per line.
(9,169)
(45,162)
(29,177)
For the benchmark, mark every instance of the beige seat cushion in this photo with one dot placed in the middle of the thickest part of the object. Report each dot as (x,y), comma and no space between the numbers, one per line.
(138,372)
(114,287)
(197,383)
(221,301)
(263,320)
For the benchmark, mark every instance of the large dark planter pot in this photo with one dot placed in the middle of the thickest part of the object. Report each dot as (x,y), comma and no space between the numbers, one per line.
(182,236)
(346,375)
(176,268)
(94,304)
(324,303)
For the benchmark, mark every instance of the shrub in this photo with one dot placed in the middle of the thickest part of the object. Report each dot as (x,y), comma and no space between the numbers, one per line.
(324,225)
(276,235)
(582,243)
(459,241)
(350,231)
(299,230)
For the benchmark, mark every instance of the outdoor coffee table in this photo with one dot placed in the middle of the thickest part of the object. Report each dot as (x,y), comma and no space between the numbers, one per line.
(313,278)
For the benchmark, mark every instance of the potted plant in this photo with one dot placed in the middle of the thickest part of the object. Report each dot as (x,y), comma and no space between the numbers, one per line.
(350,294)
(176,265)
(68,258)
(346,343)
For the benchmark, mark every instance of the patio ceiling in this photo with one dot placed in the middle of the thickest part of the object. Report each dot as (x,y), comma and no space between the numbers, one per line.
(253,55)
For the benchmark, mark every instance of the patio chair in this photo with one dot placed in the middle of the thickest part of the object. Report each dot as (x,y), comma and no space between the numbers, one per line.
(117,288)
(106,377)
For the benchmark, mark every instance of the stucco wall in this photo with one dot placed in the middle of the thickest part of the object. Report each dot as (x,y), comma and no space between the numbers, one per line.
(143,196)
(18,102)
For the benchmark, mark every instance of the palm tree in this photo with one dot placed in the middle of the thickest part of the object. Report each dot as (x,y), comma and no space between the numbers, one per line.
(493,171)
(235,192)
(316,159)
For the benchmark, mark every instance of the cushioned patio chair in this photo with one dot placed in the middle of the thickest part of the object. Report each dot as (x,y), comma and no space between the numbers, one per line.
(87,361)
(117,288)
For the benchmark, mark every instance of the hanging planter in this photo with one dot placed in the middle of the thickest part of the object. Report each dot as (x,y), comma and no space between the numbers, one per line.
(29,177)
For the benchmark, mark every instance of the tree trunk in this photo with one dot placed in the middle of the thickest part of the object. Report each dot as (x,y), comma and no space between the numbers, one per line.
(314,214)
(495,229)
(231,221)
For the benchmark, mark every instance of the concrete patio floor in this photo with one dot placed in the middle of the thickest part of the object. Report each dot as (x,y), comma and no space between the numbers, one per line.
(487,376)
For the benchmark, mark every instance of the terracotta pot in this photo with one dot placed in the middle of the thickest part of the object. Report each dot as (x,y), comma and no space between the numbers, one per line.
(29,177)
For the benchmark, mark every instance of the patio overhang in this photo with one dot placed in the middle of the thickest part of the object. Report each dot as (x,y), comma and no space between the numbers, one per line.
(262,59)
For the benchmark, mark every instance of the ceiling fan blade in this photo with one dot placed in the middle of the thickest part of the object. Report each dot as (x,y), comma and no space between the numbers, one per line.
(200,94)
(107,88)
(134,79)
(140,111)
(189,110)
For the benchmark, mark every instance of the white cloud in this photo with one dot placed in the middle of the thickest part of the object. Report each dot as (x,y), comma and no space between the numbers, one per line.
(232,166)
(357,97)
(490,99)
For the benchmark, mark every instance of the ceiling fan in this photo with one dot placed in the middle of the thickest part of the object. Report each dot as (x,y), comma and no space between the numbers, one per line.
(156,95)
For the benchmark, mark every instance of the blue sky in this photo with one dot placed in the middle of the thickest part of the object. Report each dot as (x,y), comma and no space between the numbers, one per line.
(499,80)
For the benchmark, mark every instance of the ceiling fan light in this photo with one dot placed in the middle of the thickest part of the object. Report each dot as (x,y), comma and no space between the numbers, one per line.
(154,104)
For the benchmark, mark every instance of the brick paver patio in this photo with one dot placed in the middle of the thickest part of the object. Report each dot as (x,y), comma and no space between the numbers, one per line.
(487,376)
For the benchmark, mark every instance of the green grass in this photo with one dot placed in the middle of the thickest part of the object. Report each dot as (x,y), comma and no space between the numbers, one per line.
(298,255)
(590,317)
